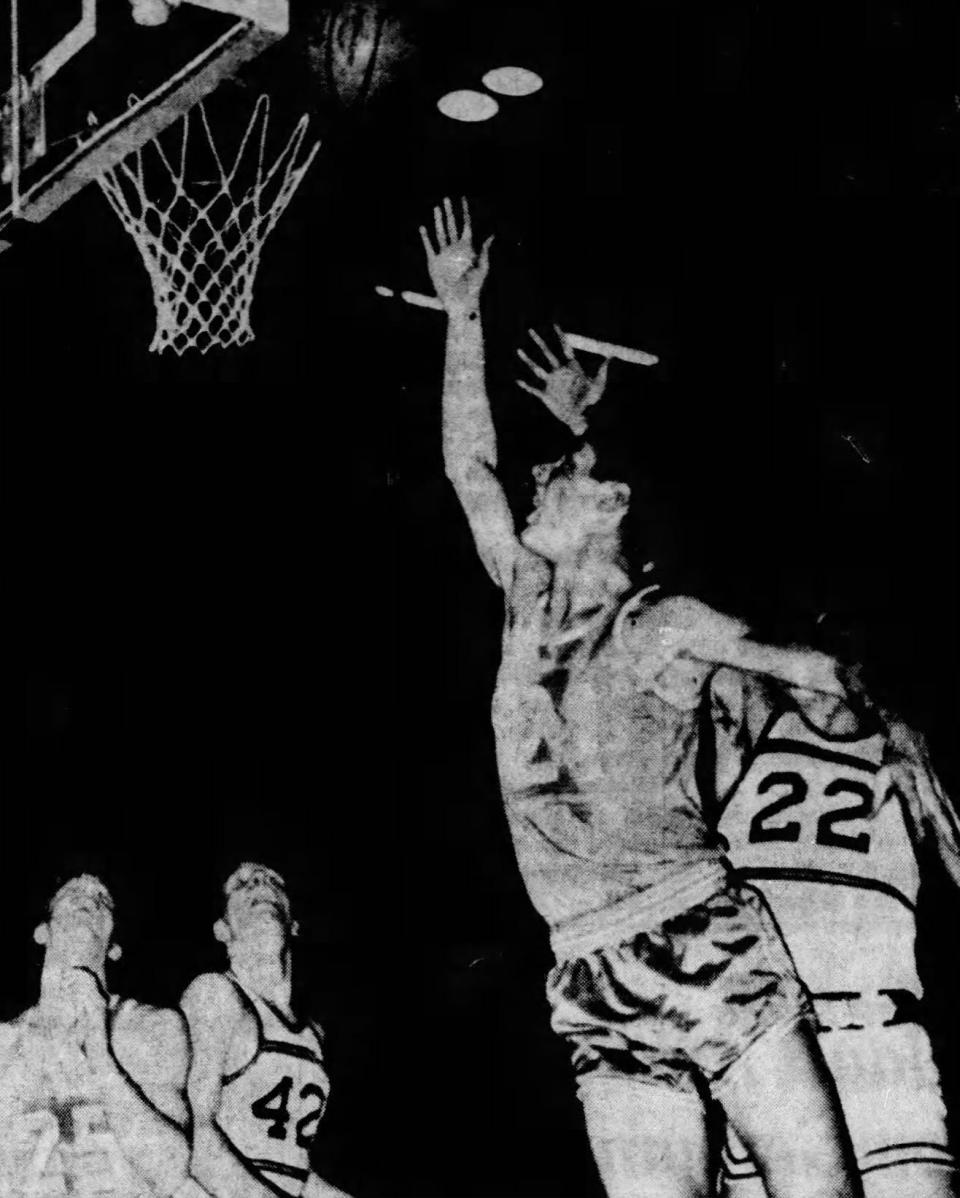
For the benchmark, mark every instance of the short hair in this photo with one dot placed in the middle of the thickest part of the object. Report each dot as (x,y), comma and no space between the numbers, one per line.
(248,866)
(68,882)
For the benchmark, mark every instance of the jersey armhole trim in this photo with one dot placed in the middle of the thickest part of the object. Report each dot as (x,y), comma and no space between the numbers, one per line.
(247,1002)
(749,758)
(135,1086)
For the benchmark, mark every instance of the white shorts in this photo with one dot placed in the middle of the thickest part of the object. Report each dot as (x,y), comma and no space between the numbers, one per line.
(890,1092)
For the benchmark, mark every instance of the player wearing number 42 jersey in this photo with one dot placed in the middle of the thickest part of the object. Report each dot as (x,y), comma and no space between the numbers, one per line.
(823,805)
(257,1085)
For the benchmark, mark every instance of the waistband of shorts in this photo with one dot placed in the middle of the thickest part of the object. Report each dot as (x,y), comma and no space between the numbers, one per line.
(867,1009)
(641,911)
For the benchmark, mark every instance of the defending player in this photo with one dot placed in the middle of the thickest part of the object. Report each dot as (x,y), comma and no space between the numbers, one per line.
(257,1084)
(91,1087)
(669,980)
(825,806)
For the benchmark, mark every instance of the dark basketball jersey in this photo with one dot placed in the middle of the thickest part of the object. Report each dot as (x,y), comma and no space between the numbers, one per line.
(597,773)
(270,1109)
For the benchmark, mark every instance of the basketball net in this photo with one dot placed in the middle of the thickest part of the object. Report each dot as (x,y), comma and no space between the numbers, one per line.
(202,250)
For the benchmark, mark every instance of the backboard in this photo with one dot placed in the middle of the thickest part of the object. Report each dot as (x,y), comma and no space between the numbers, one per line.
(83,85)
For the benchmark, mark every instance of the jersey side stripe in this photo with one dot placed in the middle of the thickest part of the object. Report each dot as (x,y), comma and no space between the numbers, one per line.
(279,1167)
(251,1166)
(826,877)
(801,748)
(910,1144)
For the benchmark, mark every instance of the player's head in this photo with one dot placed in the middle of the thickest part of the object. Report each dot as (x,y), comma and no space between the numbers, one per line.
(79,926)
(573,509)
(255,905)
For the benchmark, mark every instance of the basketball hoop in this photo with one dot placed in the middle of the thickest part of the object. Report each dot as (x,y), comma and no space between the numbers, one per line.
(202,250)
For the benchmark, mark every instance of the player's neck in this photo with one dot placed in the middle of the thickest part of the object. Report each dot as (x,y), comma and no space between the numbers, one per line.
(589,579)
(52,1010)
(267,974)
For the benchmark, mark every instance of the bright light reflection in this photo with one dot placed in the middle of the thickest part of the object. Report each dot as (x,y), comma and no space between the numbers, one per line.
(512,81)
(468,106)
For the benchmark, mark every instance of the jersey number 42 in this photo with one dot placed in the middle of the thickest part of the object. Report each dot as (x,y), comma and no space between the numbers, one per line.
(274,1108)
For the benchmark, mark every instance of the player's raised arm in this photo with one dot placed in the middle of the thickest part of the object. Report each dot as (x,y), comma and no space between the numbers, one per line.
(469,439)
(691,628)
(213,1010)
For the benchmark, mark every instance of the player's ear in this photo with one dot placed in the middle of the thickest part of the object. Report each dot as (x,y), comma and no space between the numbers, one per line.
(294,928)
(114,952)
(41,933)
(221,932)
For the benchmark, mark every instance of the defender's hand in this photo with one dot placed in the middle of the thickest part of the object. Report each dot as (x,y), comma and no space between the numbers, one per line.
(565,387)
(457,272)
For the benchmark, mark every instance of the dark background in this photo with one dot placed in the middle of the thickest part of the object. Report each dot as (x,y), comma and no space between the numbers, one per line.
(243,615)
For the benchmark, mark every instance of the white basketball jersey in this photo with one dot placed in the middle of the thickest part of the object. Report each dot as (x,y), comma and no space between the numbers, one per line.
(270,1109)
(63,1143)
(834,858)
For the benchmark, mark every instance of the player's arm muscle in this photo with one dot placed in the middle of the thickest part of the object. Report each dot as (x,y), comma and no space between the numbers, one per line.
(213,1012)
(142,1117)
(710,636)
(908,770)
(470,446)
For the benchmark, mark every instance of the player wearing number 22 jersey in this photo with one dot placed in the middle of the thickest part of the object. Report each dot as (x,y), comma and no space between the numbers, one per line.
(257,1085)
(824,805)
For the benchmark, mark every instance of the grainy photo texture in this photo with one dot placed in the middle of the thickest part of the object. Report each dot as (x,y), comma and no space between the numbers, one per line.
(480,570)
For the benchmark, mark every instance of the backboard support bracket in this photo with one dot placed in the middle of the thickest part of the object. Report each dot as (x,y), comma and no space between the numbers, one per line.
(102,147)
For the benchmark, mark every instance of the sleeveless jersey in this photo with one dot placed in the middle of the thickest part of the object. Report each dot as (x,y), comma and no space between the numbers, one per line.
(270,1109)
(598,780)
(63,1142)
(835,859)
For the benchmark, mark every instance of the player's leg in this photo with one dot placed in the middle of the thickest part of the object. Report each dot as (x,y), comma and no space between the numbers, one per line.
(889,1086)
(648,1141)
(782,1102)
(645,1116)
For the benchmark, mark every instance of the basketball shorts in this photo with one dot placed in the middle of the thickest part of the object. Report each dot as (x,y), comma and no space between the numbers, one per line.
(678,1005)
(893,1106)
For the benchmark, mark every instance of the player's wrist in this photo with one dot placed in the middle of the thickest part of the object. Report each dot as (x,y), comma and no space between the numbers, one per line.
(463,311)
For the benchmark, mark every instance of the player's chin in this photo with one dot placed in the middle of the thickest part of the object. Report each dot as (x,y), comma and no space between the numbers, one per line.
(534,538)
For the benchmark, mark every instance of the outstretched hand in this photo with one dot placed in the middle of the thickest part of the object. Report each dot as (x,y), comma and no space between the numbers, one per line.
(456,270)
(565,387)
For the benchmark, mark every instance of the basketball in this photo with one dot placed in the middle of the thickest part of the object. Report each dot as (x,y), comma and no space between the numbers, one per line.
(151,12)
(356,49)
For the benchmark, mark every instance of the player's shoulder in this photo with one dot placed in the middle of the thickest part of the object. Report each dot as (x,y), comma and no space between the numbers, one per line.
(150,1042)
(137,1017)
(212,995)
(12,1035)
(212,987)
(650,624)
